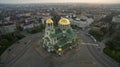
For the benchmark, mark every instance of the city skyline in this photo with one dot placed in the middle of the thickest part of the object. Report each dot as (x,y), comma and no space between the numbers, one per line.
(60,1)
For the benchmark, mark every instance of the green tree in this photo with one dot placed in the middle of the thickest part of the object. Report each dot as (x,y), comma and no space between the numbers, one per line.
(116,35)
(97,34)
(9,36)
(4,42)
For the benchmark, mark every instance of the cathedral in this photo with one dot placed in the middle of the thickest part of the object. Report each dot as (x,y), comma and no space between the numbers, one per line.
(59,38)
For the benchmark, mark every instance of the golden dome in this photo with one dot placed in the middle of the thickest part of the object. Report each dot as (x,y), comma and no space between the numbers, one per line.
(48,21)
(60,49)
(64,21)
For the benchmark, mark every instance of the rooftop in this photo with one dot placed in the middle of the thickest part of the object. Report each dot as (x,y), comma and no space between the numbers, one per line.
(64,21)
(62,42)
(49,21)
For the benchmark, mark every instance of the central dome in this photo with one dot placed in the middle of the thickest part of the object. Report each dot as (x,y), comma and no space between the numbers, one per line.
(48,21)
(64,21)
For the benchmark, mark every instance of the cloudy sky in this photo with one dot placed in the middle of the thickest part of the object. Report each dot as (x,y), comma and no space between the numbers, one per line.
(59,1)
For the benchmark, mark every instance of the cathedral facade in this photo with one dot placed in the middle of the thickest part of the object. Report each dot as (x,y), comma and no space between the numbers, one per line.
(59,38)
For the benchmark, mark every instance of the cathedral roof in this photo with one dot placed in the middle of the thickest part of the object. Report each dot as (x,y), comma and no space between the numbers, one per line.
(48,21)
(59,33)
(64,21)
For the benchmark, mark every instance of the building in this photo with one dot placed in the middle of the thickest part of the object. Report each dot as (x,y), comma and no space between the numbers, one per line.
(116,19)
(8,28)
(60,37)
(81,22)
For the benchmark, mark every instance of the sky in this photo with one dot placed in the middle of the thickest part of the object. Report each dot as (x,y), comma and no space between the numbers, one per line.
(59,1)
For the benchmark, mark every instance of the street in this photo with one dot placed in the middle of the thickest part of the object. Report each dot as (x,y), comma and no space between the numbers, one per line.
(33,55)
(97,52)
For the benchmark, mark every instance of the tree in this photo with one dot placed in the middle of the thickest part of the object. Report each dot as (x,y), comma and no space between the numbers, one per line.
(9,36)
(97,34)
(4,42)
(116,35)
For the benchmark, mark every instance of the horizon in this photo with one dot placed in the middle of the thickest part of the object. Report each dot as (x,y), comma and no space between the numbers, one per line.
(59,1)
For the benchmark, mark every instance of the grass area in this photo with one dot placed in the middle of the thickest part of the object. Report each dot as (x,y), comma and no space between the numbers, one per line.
(111,34)
(112,49)
(112,53)
(8,39)
(35,30)
(97,34)
(113,46)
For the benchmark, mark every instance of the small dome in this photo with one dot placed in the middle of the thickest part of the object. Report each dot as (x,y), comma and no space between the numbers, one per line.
(60,49)
(64,21)
(48,21)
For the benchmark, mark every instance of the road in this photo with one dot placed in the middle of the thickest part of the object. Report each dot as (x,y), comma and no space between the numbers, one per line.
(97,52)
(32,54)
